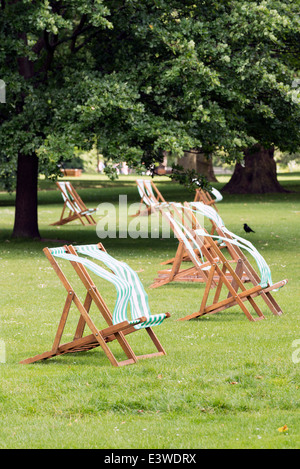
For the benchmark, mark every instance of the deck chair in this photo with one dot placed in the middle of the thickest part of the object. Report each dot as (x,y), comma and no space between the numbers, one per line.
(130,295)
(219,271)
(208,198)
(186,257)
(150,196)
(236,247)
(73,202)
(188,250)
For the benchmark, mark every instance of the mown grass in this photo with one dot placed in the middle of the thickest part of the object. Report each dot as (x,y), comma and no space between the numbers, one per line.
(224,383)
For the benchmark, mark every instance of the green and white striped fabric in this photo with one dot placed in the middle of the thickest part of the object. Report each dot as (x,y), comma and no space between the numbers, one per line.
(264,269)
(130,290)
(184,235)
(217,195)
(207,211)
(66,190)
(146,192)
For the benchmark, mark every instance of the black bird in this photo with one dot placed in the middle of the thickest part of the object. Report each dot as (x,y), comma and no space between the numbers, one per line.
(248,229)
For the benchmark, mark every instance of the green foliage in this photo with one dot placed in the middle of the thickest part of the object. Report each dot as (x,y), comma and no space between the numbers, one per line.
(146,77)
(289,160)
(189,178)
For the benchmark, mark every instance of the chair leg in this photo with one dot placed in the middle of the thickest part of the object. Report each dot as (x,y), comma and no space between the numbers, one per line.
(90,220)
(65,220)
(63,321)
(159,347)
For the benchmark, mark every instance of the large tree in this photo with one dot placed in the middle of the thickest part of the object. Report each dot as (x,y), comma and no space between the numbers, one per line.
(143,76)
(258,174)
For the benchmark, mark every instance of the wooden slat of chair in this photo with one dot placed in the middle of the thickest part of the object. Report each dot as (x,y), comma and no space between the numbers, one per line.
(205,197)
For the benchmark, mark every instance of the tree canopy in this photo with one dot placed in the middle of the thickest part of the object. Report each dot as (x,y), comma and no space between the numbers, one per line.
(146,76)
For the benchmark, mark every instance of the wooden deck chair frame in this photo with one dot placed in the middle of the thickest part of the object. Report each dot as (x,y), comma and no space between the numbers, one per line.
(97,337)
(220,266)
(198,272)
(246,268)
(186,257)
(76,206)
(150,196)
(205,197)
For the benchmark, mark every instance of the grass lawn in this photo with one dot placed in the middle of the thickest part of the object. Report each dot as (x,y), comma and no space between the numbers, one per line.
(224,383)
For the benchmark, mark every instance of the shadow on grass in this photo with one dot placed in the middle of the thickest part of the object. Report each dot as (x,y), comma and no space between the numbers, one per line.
(88,236)
(97,191)
(90,357)
(230,316)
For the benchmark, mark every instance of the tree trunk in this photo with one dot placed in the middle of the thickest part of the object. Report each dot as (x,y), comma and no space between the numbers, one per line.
(204,166)
(196,160)
(257,176)
(26,216)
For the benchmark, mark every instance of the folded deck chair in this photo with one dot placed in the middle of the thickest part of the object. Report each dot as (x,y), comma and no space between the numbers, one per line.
(208,198)
(73,202)
(219,271)
(150,196)
(130,295)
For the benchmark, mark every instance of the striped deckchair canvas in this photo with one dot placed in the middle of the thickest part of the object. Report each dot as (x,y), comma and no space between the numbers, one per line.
(216,270)
(150,197)
(130,295)
(73,202)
